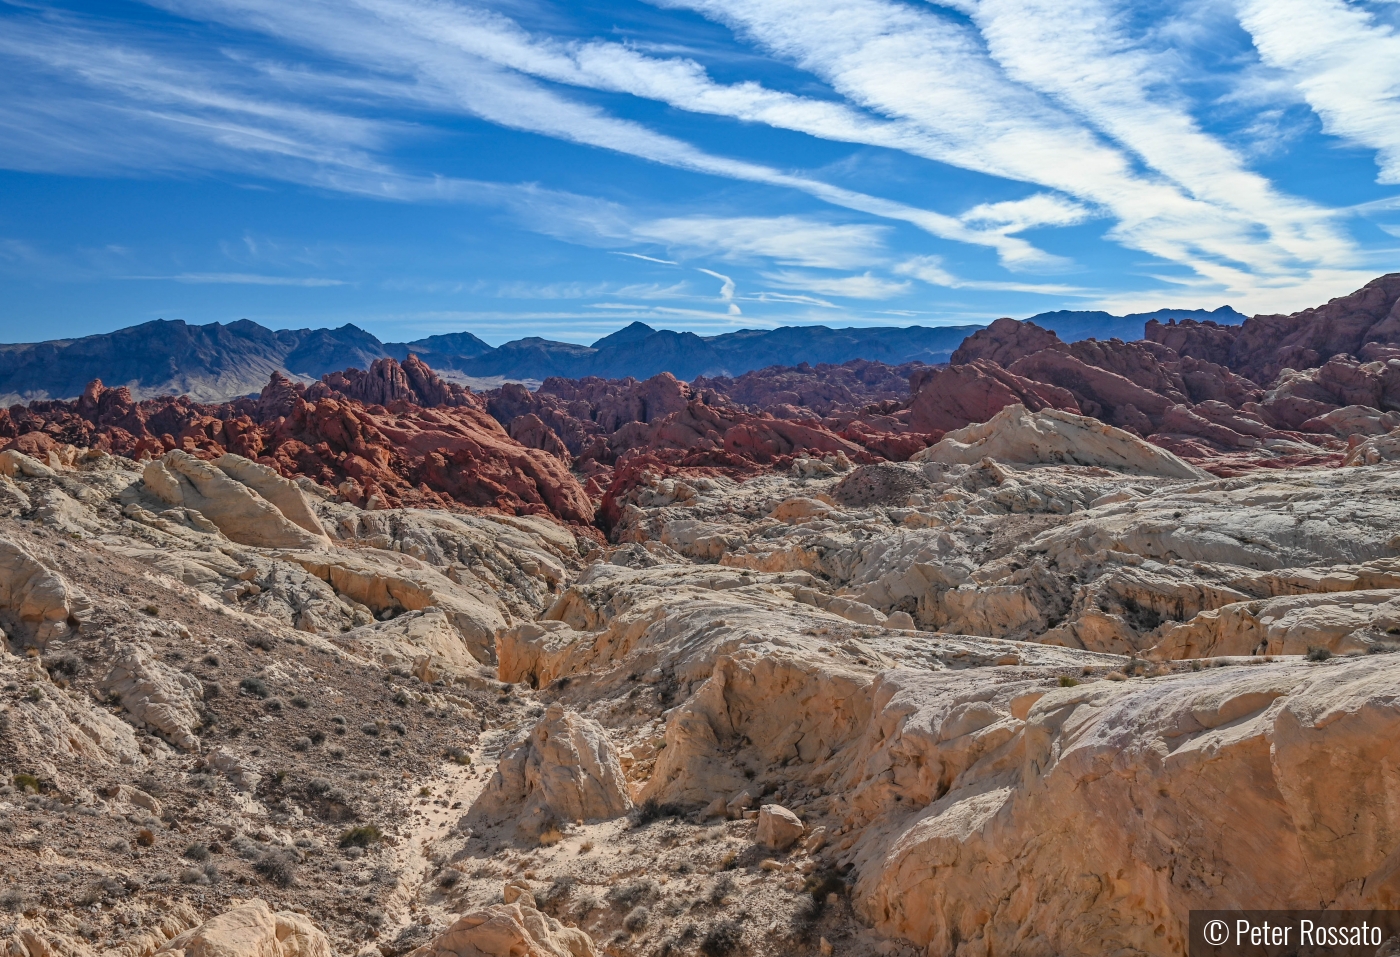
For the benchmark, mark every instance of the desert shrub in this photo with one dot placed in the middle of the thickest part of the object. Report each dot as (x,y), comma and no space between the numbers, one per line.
(1067,682)
(145,837)
(26,782)
(362,835)
(722,889)
(449,879)
(636,919)
(722,939)
(301,744)
(370,728)
(254,686)
(401,698)
(11,900)
(651,810)
(273,704)
(629,895)
(1318,654)
(279,867)
(197,852)
(300,701)
(398,728)
(65,665)
(207,873)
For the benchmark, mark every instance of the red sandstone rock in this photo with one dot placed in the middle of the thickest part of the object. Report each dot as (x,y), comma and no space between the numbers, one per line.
(1003,342)
(955,396)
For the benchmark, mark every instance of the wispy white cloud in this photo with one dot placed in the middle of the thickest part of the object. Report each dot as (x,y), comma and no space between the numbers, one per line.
(726,291)
(864,286)
(1008,116)
(650,259)
(930,269)
(246,279)
(788,240)
(1344,61)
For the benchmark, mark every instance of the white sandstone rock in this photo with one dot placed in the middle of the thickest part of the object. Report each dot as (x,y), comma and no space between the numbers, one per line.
(1051,437)
(778,828)
(251,930)
(157,696)
(508,930)
(566,770)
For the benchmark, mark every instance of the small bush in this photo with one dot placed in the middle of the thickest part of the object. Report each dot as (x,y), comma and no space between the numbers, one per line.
(629,895)
(254,686)
(370,728)
(279,867)
(1067,682)
(11,900)
(145,837)
(722,939)
(1318,654)
(651,810)
(459,756)
(301,744)
(398,728)
(401,698)
(65,665)
(449,879)
(361,836)
(273,704)
(337,754)
(26,782)
(265,642)
(301,701)
(636,919)
(206,874)
(197,852)
(318,736)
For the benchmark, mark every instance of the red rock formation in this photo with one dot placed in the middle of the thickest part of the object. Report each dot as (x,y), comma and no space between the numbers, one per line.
(1003,342)
(825,390)
(1266,345)
(1364,324)
(954,396)
(452,455)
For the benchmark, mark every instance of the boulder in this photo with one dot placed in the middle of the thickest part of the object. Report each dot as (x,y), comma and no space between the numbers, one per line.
(38,596)
(566,770)
(251,930)
(778,828)
(508,930)
(1377,449)
(1018,436)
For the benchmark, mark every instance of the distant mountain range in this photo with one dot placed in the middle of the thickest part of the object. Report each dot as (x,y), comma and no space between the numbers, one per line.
(217,362)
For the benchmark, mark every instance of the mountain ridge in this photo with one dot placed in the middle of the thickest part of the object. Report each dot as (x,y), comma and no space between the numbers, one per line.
(216,361)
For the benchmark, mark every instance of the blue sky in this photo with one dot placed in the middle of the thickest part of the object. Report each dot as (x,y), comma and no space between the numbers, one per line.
(527,167)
